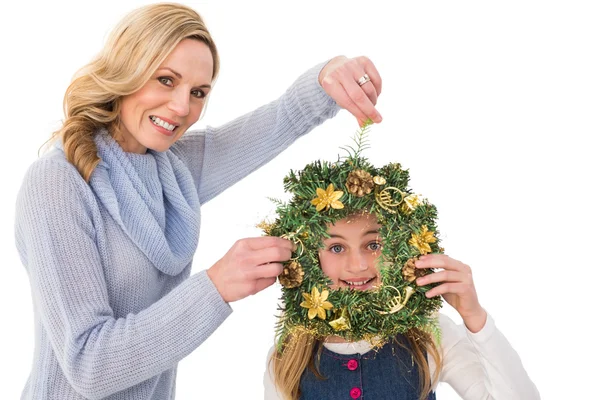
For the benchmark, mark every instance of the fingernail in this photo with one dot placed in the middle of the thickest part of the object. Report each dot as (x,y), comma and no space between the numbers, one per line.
(420,281)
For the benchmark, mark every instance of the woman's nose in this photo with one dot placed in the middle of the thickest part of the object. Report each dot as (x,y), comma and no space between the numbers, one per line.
(180,103)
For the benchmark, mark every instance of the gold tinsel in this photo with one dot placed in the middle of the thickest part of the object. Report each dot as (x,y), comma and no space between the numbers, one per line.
(292,275)
(410,272)
(359,183)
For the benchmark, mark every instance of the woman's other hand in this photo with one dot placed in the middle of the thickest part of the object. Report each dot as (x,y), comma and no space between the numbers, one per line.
(342,79)
(250,266)
(456,287)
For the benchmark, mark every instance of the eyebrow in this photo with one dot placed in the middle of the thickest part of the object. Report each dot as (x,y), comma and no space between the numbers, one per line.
(178,75)
(334,236)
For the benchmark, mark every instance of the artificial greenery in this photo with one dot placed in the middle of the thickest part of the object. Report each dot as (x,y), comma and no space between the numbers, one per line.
(325,192)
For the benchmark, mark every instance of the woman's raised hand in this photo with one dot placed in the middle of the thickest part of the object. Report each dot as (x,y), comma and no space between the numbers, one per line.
(354,84)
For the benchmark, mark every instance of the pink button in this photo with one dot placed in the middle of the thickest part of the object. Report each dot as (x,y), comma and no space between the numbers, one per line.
(355,393)
(352,365)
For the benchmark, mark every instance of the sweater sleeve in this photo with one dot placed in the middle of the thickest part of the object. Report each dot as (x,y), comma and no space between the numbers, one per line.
(219,157)
(99,354)
(483,365)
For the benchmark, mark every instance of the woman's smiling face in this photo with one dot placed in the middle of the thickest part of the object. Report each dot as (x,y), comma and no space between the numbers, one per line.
(350,256)
(172,100)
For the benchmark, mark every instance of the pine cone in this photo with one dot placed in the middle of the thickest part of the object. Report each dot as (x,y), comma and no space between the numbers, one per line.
(292,275)
(359,183)
(410,272)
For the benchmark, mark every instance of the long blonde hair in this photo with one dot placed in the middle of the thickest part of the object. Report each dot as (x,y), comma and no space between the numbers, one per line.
(133,52)
(298,354)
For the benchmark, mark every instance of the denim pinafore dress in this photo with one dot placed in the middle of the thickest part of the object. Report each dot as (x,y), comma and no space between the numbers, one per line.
(388,373)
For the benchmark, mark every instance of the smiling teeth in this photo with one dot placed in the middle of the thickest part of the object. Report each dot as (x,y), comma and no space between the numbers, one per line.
(357,283)
(160,122)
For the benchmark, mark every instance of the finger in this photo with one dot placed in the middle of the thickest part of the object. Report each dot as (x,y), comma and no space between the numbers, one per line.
(371,70)
(263,242)
(441,261)
(358,96)
(370,91)
(442,276)
(444,289)
(264,283)
(268,255)
(271,270)
(337,92)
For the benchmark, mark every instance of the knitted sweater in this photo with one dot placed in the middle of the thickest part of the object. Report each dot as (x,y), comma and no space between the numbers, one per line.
(109,262)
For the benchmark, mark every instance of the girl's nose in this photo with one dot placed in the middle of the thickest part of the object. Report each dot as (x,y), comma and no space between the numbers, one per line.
(357,262)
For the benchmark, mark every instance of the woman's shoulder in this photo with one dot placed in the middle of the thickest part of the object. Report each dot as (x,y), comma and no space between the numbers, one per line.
(52,166)
(53,178)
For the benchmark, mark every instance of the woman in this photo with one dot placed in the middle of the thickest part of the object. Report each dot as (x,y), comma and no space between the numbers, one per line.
(107,222)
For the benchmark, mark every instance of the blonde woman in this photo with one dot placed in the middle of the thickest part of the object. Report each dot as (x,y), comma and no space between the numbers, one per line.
(108,220)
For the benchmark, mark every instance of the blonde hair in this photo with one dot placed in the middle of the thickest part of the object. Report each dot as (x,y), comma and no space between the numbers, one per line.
(135,49)
(298,354)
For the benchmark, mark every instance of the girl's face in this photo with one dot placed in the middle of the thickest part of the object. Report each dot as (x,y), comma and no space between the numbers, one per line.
(350,255)
(160,112)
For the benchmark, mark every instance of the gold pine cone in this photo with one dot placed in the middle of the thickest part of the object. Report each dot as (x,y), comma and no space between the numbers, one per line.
(410,272)
(292,275)
(359,183)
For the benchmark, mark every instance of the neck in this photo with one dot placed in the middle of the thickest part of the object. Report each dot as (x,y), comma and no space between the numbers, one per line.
(335,339)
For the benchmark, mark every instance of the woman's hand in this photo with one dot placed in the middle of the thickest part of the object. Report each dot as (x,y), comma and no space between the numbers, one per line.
(456,287)
(340,79)
(250,266)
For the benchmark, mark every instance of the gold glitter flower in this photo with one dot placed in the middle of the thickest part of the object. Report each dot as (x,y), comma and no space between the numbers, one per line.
(410,203)
(328,198)
(342,323)
(316,303)
(422,239)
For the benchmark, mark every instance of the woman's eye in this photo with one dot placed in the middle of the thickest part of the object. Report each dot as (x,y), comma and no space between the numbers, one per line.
(165,81)
(198,94)
(374,246)
(336,249)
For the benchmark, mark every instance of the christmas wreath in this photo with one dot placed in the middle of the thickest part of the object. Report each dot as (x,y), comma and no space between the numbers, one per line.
(325,192)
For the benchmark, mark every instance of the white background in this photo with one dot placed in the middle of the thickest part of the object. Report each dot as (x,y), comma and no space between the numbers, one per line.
(494,107)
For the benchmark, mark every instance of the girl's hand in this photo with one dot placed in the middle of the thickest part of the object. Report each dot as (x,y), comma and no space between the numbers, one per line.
(456,287)
(340,80)
(250,266)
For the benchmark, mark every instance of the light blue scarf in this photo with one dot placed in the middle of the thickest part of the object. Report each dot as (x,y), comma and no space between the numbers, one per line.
(167,231)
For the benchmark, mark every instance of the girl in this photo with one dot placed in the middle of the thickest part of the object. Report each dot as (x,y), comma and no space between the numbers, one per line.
(108,221)
(360,296)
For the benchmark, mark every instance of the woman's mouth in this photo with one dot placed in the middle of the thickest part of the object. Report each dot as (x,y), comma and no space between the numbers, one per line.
(164,126)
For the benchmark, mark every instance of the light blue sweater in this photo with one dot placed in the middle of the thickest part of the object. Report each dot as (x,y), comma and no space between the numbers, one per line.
(109,262)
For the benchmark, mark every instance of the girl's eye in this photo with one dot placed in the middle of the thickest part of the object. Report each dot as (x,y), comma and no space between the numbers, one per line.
(374,246)
(165,81)
(336,249)
(198,93)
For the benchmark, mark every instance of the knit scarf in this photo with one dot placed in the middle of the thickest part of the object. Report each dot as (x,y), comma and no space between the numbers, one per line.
(167,235)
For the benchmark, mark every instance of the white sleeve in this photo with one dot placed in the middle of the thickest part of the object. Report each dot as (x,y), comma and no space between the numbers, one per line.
(483,365)
(271,392)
